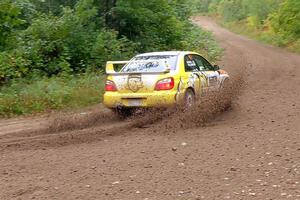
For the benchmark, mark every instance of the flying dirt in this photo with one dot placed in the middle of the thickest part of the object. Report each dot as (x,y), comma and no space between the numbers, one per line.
(250,151)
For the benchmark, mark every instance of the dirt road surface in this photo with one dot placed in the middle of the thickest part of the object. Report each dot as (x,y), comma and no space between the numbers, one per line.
(249,152)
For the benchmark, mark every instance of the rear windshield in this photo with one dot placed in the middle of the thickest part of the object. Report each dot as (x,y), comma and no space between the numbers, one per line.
(157,63)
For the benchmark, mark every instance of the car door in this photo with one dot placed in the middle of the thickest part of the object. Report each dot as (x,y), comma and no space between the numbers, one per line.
(208,71)
(194,77)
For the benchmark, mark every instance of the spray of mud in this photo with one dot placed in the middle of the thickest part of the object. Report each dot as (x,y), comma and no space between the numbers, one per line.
(206,108)
(94,125)
(79,121)
(69,129)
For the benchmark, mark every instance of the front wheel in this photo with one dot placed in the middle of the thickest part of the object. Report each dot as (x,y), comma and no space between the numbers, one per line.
(225,84)
(227,94)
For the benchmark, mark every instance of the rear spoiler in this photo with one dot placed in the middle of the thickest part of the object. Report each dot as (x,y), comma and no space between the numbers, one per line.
(110,66)
(110,70)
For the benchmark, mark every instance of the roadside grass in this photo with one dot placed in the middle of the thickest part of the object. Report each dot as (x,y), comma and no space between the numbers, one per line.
(262,35)
(23,97)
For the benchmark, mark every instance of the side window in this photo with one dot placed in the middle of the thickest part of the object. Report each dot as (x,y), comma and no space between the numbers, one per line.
(207,65)
(203,64)
(190,64)
(199,62)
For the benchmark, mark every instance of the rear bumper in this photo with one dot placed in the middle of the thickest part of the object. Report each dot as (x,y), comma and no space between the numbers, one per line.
(143,100)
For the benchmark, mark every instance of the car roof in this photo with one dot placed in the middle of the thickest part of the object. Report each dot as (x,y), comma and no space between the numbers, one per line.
(169,53)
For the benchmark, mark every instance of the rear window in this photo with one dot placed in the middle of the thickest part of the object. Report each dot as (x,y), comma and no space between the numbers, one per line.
(156,63)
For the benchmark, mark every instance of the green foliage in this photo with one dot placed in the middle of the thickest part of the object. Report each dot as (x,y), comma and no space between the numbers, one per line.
(201,41)
(232,10)
(273,21)
(32,96)
(285,25)
(53,6)
(260,9)
(152,24)
(55,39)
(70,43)
(236,10)
(78,38)
(203,5)
(108,47)
(286,21)
(184,8)
(13,65)
(9,20)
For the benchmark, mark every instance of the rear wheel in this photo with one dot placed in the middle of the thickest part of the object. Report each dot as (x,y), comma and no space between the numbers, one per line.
(123,112)
(189,99)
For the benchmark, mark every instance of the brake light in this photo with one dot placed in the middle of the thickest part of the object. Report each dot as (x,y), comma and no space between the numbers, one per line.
(110,86)
(165,84)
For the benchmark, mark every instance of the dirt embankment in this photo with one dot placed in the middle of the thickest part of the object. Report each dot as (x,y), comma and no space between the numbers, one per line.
(249,152)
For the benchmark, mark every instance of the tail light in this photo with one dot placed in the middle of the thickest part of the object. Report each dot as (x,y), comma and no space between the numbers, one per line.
(110,86)
(165,84)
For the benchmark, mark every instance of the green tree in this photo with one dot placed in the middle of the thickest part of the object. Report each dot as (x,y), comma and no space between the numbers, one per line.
(232,10)
(75,36)
(70,43)
(9,20)
(153,24)
(286,21)
(53,6)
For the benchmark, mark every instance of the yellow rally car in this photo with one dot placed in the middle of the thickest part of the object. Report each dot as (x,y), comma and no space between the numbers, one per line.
(160,79)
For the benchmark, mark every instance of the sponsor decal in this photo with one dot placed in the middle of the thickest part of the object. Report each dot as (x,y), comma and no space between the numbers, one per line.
(135,83)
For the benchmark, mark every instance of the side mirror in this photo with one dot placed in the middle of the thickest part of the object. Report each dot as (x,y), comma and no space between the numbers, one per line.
(216,67)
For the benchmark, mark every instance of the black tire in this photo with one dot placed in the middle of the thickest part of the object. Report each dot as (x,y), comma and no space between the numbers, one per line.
(189,99)
(123,112)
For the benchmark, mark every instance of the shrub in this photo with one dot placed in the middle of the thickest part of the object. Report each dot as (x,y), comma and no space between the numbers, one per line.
(23,96)
(286,21)
(9,20)
(54,45)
